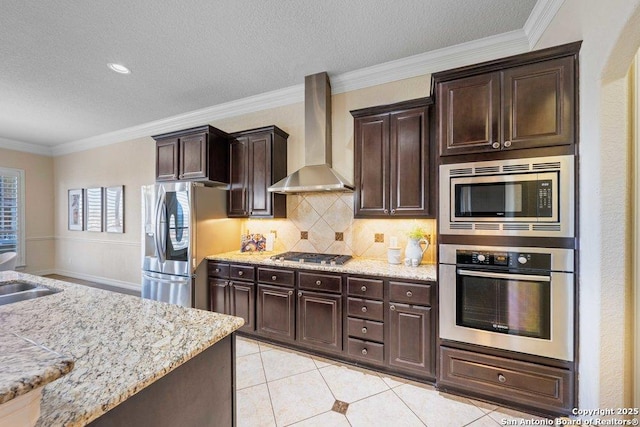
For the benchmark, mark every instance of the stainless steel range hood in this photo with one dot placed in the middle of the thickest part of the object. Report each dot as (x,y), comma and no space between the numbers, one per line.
(317,174)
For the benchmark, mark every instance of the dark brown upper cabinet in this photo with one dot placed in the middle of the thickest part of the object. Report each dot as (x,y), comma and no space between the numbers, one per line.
(393,171)
(525,101)
(196,154)
(258,159)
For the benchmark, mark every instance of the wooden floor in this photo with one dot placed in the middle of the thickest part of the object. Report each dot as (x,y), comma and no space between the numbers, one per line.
(93,284)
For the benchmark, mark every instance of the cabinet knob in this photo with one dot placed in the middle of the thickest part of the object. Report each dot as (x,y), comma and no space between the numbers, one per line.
(364,351)
(496,145)
(393,211)
(393,307)
(274,277)
(299,294)
(386,211)
(363,289)
(240,273)
(318,282)
(364,309)
(409,294)
(230,283)
(507,144)
(290,292)
(502,378)
(364,330)
(217,270)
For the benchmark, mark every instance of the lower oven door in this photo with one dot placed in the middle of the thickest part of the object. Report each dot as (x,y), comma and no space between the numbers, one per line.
(518,312)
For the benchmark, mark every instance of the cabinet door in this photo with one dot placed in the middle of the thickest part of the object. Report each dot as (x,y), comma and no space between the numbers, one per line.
(320,320)
(276,312)
(372,166)
(193,157)
(411,341)
(409,163)
(243,303)
(167,159)
(260,175)
(238,176)
(468,112)
(219,295)
(539,104)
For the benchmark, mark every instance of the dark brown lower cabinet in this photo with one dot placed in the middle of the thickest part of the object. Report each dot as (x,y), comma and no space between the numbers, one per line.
(542,388)
(320,320)
(243,303)
(235,298)
(276,315)
(410,339)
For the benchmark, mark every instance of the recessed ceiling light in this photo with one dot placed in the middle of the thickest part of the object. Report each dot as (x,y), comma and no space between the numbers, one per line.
(119,68)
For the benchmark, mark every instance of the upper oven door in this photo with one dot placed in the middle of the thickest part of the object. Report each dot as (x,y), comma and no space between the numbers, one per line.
(518,197)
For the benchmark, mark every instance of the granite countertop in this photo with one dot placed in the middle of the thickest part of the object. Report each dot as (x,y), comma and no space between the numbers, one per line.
(27,365)
(119,344)
(356,265)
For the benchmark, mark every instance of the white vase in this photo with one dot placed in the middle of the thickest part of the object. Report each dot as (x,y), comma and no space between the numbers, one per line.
(414,250)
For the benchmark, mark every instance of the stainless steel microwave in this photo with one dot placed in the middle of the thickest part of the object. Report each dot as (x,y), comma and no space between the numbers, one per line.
(515,197)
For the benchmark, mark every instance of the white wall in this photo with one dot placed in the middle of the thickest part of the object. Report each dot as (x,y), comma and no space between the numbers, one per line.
(611,34)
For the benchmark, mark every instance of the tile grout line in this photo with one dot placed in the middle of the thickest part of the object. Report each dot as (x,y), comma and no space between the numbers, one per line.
(273,414)
(408,407)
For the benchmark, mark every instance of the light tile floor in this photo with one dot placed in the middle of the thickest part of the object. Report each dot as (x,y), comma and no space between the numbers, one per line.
(281,387)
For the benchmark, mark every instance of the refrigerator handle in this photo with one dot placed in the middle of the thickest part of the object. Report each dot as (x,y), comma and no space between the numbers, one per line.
(160,230)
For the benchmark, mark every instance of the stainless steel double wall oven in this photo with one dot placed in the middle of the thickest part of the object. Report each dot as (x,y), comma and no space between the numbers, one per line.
(518,298)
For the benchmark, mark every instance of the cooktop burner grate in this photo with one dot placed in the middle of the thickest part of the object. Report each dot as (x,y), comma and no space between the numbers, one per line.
(302,257)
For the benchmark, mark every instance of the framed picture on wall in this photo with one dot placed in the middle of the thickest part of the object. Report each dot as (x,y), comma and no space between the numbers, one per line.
(76,209)
(114,209)
(94,209)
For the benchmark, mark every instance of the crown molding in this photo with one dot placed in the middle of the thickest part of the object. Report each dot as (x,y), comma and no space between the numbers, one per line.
(11,144)
(539,19)
(480,50)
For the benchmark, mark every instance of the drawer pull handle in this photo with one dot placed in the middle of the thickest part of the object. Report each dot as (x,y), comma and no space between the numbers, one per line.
(496,145)
(217,270)
(274,277)
(290,292)
(393,307)
(318,282)
(364,330)
(507,144)
(364,351)
(409,294)
(364,309)
(502,378)
(363,289)
(299,294)
(240,273)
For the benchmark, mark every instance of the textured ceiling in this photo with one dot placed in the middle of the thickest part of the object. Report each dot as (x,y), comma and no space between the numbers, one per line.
(186,55)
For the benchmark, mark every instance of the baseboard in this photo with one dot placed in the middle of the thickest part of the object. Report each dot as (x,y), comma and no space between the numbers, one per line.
(97,279)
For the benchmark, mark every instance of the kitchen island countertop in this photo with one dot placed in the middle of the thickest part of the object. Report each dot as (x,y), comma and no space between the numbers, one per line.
(119,343)
(365,266)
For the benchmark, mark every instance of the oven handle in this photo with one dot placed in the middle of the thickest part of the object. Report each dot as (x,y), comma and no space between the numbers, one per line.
(506,276)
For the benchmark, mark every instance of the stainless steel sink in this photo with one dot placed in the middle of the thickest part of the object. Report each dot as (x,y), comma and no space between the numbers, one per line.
(20,291)
(13,287)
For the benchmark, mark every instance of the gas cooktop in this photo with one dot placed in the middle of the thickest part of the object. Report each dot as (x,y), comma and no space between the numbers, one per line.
(301,257)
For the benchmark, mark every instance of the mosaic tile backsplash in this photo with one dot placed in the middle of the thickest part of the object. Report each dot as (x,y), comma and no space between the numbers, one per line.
(326,220)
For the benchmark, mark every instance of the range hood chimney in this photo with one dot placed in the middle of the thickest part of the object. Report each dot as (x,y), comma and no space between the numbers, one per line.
(317,174)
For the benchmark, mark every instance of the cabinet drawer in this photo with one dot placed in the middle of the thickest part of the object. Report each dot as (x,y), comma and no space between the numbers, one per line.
(276,276)
(218,269)
(368,288)
(410,293)
(242,272)
(365,329)
(365,308)
(361,349)
(530,384)
(320,282)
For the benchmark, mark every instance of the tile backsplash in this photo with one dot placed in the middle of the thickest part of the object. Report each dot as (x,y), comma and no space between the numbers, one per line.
(326,219)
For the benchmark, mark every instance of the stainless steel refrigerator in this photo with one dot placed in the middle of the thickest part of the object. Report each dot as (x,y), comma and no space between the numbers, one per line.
(182,222)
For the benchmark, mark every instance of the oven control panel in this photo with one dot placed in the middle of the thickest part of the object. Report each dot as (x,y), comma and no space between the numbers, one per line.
(538,261)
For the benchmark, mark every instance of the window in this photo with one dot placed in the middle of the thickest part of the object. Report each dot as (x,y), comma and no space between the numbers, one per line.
(12,212)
